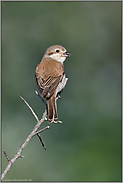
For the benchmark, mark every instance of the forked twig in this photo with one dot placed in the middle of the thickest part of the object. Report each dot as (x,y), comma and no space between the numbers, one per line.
(32,134)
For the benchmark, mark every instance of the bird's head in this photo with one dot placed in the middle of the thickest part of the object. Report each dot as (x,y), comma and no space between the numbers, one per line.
(57,52)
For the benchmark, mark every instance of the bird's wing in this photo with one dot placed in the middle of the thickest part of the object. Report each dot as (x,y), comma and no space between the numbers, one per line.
(48,81)
(48,86)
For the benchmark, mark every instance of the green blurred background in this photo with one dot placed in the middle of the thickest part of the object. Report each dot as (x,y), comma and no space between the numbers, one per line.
(87,146)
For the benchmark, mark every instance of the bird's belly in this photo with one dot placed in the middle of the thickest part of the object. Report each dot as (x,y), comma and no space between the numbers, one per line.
(61,85)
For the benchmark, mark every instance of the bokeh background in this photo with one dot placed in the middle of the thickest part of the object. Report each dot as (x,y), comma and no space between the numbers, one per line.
(87,146)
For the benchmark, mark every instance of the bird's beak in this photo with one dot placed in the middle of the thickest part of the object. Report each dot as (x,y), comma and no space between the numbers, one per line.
(66,54)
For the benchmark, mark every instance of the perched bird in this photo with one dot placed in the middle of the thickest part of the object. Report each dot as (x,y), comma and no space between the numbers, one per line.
(50,78)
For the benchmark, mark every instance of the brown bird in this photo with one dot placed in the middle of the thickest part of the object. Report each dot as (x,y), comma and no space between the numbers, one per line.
(50,78)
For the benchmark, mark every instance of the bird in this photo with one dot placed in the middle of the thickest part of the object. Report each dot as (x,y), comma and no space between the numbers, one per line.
(51,79)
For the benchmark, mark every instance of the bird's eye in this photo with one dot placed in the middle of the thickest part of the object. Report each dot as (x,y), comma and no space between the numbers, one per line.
(57,51)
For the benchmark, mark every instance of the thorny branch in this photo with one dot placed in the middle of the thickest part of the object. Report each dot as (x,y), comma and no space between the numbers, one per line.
(32,134)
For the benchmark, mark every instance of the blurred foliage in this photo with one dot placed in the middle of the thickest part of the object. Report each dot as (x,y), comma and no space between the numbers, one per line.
(87,146)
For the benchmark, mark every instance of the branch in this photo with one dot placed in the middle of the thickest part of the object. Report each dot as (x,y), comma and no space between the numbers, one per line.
(32,134)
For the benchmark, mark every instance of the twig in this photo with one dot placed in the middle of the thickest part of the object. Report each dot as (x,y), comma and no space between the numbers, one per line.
(30,108)
(41,130)
(6,155)
(37,133)
(33,133)
(41,141)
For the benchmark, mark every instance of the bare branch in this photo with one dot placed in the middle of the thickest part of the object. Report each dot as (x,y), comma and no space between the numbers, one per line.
(18,154)
(6,155)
